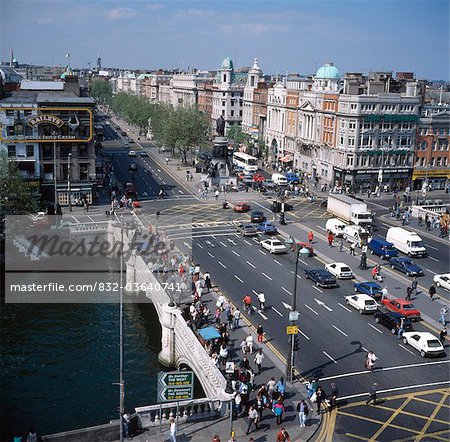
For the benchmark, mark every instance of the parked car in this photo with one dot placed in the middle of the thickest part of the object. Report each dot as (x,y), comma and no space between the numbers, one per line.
(292,178)
(406,266)
(258,178)
(39,216)
(424,342)
(276,207)
(340,270)
(336,226)
(369,288)
(322,278)
(392,321)
(132,153)
(257,216)
(269,184)
(382,248)
(241,207)
(442,280)
(402,306)
(267,227)
(126,145)
(362,303)
(273,246)
(247,229)
(306,245)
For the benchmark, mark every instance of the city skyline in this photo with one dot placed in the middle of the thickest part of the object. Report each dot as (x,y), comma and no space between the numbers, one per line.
(284,36)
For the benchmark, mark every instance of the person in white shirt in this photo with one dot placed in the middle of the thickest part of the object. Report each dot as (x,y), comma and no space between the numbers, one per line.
(259,358)
(173,430)
(249,341)
(384,292)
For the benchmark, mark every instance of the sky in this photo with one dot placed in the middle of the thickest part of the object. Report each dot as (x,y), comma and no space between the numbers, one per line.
(286,36)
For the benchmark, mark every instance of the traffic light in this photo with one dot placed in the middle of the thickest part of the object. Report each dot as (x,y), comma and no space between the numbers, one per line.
(296,343)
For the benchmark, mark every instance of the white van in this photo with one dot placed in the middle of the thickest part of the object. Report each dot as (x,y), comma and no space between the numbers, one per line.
(355,234)
(279,179)
(407,242)
(336,226)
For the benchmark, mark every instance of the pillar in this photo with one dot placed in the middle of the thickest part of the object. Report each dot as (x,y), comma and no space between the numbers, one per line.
(167,319)
(130,270)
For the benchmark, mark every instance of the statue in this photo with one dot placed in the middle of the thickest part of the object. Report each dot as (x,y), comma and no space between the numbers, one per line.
(220,126)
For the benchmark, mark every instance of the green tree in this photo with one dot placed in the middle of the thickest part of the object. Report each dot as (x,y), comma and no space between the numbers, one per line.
(102,91)
(235,133)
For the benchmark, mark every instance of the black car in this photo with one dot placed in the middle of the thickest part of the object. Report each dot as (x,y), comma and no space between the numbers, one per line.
(392,320)
(277,206)
(257,217)
(322,278)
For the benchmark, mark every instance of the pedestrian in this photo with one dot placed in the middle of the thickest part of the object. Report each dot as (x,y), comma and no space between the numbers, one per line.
(126,421)
(271,388)
(237,404)
(384,292)
(280,387)
(320,397)
(244,346)
(310,236)
(32,436)
(352,248)
(419,220)
(312,387)
(409,291)
(252,419)
(216,438)
(283,436)
(401,328)
(330,239)
(414,284)
(207,278)
(302,410)
(173,430)
(279,409)
(341,245)
(432,292)
(260,333)
(334,393)
(167,161)
(262,301)
(370,360)
(258,359)
(372,394)
(236,319)
(443,315)
(443,335)
(216,194)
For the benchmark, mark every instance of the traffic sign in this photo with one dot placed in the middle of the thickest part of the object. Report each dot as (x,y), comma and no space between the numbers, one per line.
(293,316)
(291,330)
(175,386)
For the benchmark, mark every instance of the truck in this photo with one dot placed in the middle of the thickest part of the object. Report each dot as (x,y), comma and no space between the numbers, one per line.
(349,209)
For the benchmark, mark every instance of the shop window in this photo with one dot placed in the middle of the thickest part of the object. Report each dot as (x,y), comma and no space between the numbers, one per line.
(30,150)
(11,151)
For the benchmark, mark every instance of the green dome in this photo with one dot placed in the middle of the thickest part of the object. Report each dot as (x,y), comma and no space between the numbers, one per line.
(227,63)
(328,71)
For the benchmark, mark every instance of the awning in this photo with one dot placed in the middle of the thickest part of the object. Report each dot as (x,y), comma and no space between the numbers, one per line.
(208,333)
(287,158)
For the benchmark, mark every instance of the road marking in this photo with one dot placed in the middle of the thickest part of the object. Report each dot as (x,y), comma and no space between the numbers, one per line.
(260,251)
(211,255)
(431,271)
(397,367)
(303,334)
(247,242)
(323,304)
(180,191)
(379,331)
(159,170)
(286,290)
(187,245)
(317,288)
(328,356)
(409,387)
(250,264)
(223,244)
(321,228)
(279,263)
(433,259)
(431,247)
(235,253)
(239,279)
(308,307)
(276,311)
(340,331)
(286,306)
(223,265)
(387,225)
(344,307)
(199,245)
(260,314)
(306,264)
(267,276)
(404,348)
(365,349)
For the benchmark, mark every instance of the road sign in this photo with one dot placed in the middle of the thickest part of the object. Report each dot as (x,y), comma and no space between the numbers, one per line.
(293,316)
(291,330)
(175,386)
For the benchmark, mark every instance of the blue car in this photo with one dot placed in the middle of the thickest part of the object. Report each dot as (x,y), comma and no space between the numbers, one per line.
(268,228)
(405,265)
(292,178)
(368,288)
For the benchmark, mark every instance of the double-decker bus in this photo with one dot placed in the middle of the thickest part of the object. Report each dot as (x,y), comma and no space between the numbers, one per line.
(245,161)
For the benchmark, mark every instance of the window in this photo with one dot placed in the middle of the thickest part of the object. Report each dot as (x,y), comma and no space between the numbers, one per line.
(10,130)
(232,113)
(11,151)
(441,131)
(350,160)
(341,140)
(223,112)
(223,102)
(27,113)
(351,141)
(240,113)
(353,106)
(352,125)
(232,94)
(439,161)
(30,150)
(10,113)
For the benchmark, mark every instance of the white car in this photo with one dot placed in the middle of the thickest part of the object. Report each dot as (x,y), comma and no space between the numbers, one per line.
(424,342)
(340,270)
(39,216)
(442,280)
(273,246)
(131,153)
(363,303)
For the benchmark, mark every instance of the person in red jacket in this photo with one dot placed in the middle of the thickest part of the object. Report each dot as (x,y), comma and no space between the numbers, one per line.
(283,436)
(310,236)
(330,239)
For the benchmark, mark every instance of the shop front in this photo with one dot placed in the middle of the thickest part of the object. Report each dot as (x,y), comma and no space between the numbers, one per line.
(438,179)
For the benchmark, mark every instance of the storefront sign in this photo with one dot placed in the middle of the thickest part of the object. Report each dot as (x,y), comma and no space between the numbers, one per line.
(45,119)
(389,118)
(442,173)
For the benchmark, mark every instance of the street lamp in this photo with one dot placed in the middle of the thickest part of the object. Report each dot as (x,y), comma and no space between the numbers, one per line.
(69,181)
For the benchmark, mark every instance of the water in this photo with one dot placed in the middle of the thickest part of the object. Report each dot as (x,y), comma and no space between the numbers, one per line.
(58,364)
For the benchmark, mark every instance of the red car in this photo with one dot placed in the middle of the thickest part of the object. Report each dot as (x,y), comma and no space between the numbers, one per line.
(258,178)
(241,207)
(306,245)
(403,307)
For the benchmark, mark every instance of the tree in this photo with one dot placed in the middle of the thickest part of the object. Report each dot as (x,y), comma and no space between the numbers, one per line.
(102,91)
(235,133)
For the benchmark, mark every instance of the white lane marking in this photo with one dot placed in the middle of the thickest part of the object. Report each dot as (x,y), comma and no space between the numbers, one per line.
(433,259)
(321,228)
(323,304)
(255,240)
(180,191)
(223,265)
(187,245)
(267,276)
(340,331)
(286,290)
(247,242)
(199,245)
(279,263)
(397,367)
(239,279)
(404,348)
(387,225)
(255,292)
(250,264)
(276,311)
(75,220)
(159,170)
(304,262)
(211,255)
(328,356)
(260,251)
(286,306)
(344,307)
(263,316)
(308,307)
(303,334)
(235,253)
(432,247)
(365,349)
(317,288)
(409,387)
(298,276)
(164,182)
(431,271)
(379,331)
(223,244)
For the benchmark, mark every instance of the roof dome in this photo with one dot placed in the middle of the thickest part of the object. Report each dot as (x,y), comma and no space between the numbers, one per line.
(227,63)
(328,70)
(255,68)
